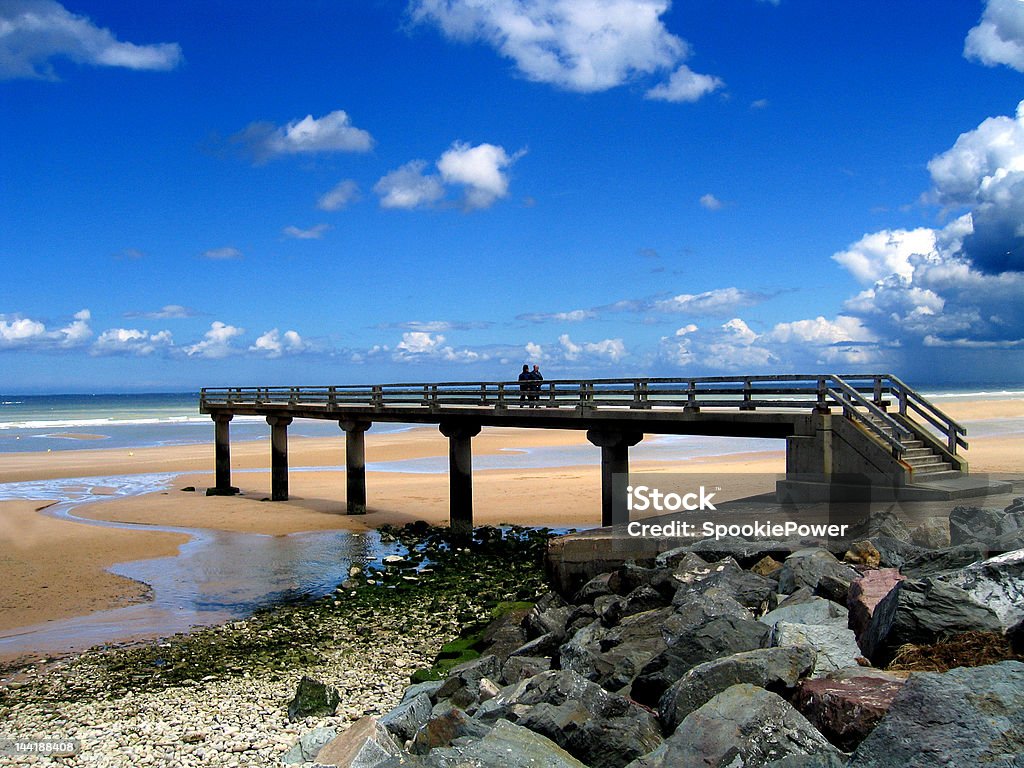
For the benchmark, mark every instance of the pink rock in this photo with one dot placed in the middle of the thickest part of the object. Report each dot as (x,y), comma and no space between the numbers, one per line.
(846,711)
(867,592)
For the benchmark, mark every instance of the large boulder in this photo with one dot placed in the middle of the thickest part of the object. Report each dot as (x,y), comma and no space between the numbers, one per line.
(313,698)
(867,592)
(444,728)
(816,610)
(507,745)
(934,562)
(835,645)
(406,719)
(846,710)
(364,744)
(882,522)
(923,612)
(808,567)
(602,729)
(747,588)
(997,583)
(462,687)
(931,534)
(775,669)
(309,744)
(550,614)
(710,639)
(968,716)
(744,726)
(967,524)
(612,657)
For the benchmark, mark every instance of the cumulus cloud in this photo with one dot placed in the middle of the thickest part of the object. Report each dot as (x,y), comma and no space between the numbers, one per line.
(216,342)
(131,342)
(22,332)
(608,350)
(33,32)
(273,344)
(420,346)
(407,187)
(711,203)
(313,233)
(579,45)
(685,85)
(437,326)
(999,36)
(334,132)
(342,195)
(222,254)
(479,169)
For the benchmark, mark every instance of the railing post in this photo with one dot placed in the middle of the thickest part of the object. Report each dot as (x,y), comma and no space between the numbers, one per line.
(822,405)
(903,401)
(501,396)
(483,394)
(878,392)
(691,397)
(746,405)
(332,396)
(377,396)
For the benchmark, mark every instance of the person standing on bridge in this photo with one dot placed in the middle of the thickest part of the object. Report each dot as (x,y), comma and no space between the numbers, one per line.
(536,378)
(524,385)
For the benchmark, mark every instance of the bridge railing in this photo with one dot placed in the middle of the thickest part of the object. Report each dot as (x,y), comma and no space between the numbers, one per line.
(862,398)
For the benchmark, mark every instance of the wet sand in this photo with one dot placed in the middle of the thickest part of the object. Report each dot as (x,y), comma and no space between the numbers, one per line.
(57,567)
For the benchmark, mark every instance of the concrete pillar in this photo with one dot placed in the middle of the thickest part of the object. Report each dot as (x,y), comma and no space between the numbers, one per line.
(279,457)
(460,473)
(222,456)
(614,461)
(355,465)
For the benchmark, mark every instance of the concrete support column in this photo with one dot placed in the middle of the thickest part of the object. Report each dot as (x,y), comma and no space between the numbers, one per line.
(279,457)
(460,473)
(614,461)
(355,465)
(222,456)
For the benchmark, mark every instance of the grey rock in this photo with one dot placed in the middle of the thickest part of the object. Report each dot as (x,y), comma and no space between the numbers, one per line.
(816,610)
(997,583)
(931,534)
(521,667)
(704,641)
(364,744)
(313,698)
(830,760)
(444,728)
(775,669)
(602,729)
(969,716)
(836,646)
(545,645)
(922,612)
(743,727)
(506,745)
(308,745)
(807,567)
(968,523)
(937,561)
(462,687)
(746,587)
(612,657)
(549,614)
(404,720)
(430,687)
(882,522)
(593,589)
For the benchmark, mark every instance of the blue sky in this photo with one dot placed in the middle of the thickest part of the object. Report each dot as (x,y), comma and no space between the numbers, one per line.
(323,192)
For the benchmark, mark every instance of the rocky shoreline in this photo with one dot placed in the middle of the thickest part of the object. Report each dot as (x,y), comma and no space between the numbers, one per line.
(720,655)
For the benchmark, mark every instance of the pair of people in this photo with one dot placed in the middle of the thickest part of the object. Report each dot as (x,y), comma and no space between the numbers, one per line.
(529,388)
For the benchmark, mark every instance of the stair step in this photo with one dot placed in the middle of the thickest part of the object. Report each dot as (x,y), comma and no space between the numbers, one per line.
(913,444)
(918,461)
(916,452)
(931,469)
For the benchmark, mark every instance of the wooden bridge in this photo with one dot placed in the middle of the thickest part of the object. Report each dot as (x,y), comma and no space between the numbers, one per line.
(840,430)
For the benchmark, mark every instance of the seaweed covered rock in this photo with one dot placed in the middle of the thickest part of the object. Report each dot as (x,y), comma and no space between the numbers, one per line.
(313,698)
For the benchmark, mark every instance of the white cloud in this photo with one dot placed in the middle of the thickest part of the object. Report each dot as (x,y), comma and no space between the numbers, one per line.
(342,195)
(19,332)
(579,45)
(685,85)
(479,169)
(216,342)
(572,316)
(131,341)
(334,132)
(407,187)
(222,254)
(436,326)
(711,202)
(760,104)
(715,302)
(607,350)
(167,312)
(999,36)
(313,233)
(821,331)
(32,32)
(274,344)
(886,253)
(534,351)
(420,346)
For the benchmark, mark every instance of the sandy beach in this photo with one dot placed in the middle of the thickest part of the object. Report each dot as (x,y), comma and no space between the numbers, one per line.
(58,566)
